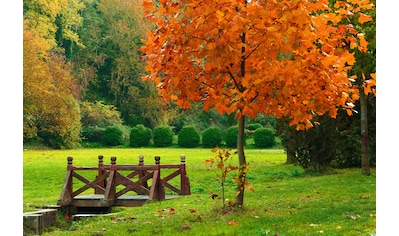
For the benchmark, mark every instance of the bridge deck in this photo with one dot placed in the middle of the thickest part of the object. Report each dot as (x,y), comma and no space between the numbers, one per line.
(97,200)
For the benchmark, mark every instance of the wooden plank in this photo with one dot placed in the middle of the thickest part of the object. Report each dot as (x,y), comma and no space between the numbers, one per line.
(171,176)
(89,184)
(132,185)
(171,187)
(109,194)
(66,193)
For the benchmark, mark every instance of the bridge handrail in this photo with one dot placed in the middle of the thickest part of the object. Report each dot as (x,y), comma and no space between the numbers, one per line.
(108,178)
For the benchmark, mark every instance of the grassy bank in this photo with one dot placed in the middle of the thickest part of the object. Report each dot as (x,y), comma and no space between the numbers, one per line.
(287,200)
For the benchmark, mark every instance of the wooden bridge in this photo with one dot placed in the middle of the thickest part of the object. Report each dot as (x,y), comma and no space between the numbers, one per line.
(113,184)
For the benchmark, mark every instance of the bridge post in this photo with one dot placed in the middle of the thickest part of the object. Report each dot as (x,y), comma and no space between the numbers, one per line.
(67,189)
(70,170)
(101,171)
(184,181)
(157,191)
(142,172)
(110,190)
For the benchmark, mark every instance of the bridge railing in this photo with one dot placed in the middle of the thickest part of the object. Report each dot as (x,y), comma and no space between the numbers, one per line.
(109,177)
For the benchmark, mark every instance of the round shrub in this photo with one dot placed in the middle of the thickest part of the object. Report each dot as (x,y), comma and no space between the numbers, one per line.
(92,133)
(113,136)
(231,135)
(140,136)
(254,126)
(264,138)
(212,137)
(188,136)
(163,136)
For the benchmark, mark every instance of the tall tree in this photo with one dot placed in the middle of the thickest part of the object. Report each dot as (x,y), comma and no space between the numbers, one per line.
(54,20)
(364,71)
(285,58)
(110,67)
(50,110)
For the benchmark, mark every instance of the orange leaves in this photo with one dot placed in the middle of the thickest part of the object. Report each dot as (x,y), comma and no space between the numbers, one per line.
(233,223)
(369,84)
(363,18)
(279,57)
(362,43)
(219,15)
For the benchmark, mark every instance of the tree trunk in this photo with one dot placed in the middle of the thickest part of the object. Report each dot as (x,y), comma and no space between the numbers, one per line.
(241,160)
(364,134)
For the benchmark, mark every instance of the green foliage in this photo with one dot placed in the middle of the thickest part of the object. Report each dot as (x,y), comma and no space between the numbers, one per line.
(189,136)
(264,138)
(140,136)
(99,114)
(113,136)
(92,133)
(179,117)
(230,136)
(250,129)
(51,112)
(254,126)
(110,66)
(265,120)
(212,137)
(163,136)
(334,142)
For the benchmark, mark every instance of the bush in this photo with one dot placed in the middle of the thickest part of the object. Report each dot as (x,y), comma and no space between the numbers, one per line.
(163,136)
(113,136)
(231,135)
(188,136)
(254,126)
(212,137)
(99,114)
(92,133)
(140,136)
(264,138)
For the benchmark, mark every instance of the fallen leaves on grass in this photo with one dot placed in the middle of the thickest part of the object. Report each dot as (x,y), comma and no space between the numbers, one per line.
(186,227)
(352,217)
(233,223)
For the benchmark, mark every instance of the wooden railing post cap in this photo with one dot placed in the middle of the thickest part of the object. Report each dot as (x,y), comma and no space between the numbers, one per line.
(100,158)
(69,159)
(113,160)
(157,159)
(182,158)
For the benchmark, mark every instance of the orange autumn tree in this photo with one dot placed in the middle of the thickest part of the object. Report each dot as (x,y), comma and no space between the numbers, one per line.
(282,57)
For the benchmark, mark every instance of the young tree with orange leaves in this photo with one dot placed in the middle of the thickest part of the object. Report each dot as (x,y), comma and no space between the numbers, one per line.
(285,58)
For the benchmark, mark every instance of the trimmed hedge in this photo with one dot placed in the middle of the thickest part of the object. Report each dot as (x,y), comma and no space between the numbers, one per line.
(113,136)
(211,137)
(163,136)
(254,126)
(264,138)
(140,136)
(188,137)
(231,135)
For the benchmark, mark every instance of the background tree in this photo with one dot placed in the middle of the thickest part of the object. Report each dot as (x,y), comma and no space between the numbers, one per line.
(364,73)
(51,110)
(110,67)
(282,58)
(56,21)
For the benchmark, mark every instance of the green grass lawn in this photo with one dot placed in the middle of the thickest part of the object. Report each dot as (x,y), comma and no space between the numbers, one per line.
(287,200)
